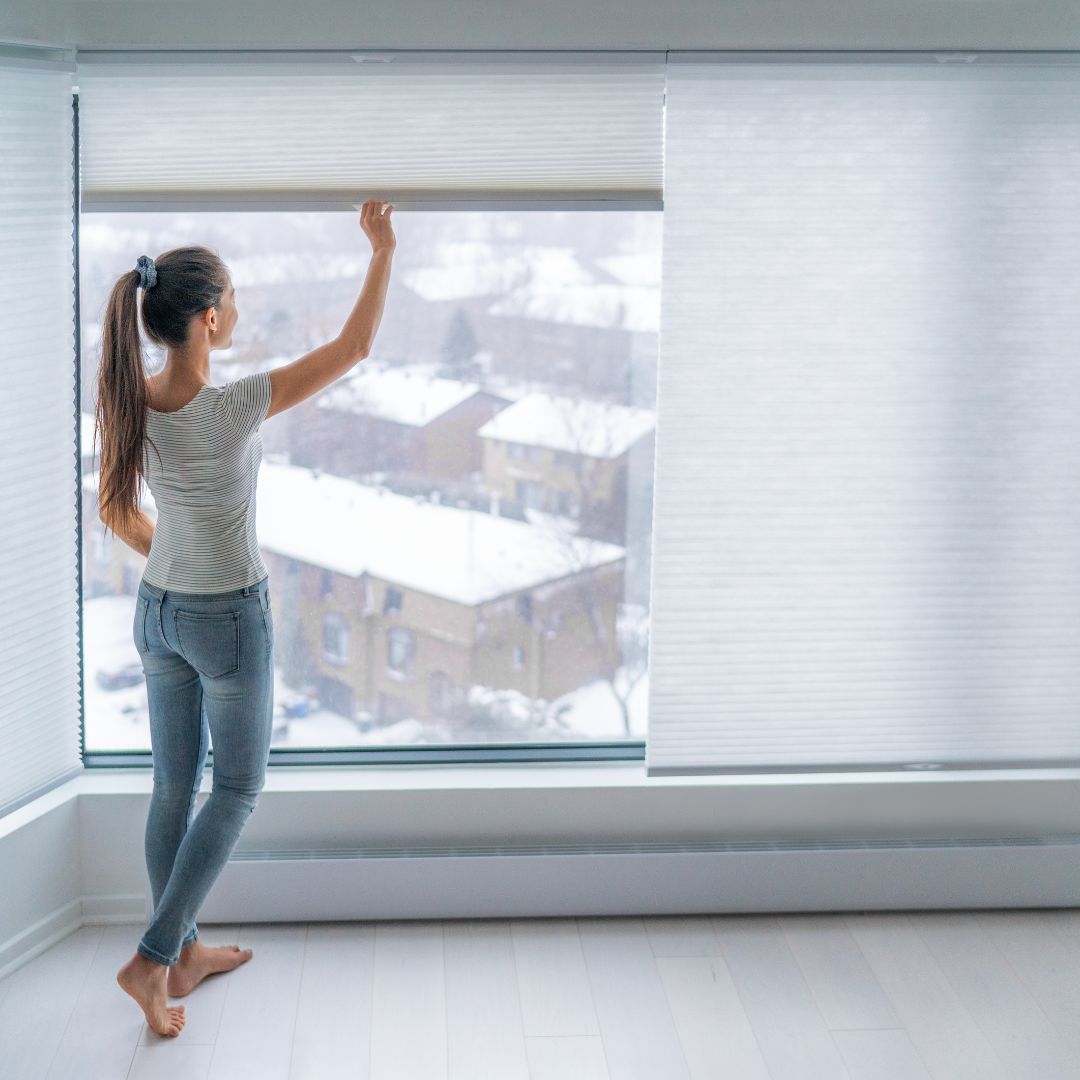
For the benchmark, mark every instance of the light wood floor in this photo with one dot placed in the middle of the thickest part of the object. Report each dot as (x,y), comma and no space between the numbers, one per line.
(985,995)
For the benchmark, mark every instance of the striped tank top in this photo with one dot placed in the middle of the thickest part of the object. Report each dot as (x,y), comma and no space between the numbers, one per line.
(204,488)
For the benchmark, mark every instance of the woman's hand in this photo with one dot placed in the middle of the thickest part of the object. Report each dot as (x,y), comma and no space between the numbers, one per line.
(375,221)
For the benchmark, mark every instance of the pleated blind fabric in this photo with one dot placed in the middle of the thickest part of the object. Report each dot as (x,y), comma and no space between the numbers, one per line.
(206,131)
(867,512)
(39,622)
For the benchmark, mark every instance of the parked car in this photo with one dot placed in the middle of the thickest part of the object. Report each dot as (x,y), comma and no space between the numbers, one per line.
(118,678)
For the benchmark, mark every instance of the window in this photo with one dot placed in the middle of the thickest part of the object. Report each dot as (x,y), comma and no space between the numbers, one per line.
(400,650)
(518,658)
(420,528)
(530,494)
(335,638)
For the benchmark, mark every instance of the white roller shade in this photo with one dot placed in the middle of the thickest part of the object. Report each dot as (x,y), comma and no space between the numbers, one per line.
(331,130)
(867,515)
(39,620)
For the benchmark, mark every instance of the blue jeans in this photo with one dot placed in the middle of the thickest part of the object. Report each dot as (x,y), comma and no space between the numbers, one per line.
(209,665)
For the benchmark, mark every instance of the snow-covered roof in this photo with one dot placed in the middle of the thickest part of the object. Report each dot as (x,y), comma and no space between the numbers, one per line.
(407,395)
(446,551)
(594,428)
(462,555)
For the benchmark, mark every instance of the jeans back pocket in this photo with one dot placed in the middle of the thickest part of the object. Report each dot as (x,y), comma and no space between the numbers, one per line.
(210,641)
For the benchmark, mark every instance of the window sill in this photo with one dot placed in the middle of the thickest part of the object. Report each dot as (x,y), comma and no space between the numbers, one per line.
(527,775)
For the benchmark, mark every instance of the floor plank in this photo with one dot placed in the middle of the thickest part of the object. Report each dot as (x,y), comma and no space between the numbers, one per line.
(640,1038)
(484,1035)
(834,967)
(883,1054)
(569,1057)
(790,1029)
(1045,960)
(332,1037)
(714,1030)
(949,1041)
(258,1018)
(408,1027)
(1004,1008)
(553,982)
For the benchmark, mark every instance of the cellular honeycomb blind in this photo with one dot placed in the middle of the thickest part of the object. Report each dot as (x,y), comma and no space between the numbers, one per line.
(200,130)
(867,513)
(39,620)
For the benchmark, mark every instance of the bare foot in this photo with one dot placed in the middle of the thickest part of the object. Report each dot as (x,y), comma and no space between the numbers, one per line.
(198,960)
(144,980)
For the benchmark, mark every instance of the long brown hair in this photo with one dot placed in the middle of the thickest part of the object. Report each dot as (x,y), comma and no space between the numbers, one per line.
(189,280)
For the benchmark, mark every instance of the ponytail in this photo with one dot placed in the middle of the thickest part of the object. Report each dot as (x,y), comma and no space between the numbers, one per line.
(121,407)
(188,281)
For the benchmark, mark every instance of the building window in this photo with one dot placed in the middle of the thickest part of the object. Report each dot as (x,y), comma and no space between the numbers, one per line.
(369,597)
(335,638)
(524,607)
(400,650)
(326,583)
(515,450)
(392,600)
(529,493)
(518,658)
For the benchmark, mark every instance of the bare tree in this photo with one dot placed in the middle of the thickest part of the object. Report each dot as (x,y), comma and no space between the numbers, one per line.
(622,656)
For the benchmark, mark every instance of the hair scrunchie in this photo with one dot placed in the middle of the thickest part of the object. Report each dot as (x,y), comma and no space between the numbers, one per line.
(147,271)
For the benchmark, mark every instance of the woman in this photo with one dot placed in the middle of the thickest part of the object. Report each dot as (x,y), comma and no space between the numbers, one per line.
(203,622)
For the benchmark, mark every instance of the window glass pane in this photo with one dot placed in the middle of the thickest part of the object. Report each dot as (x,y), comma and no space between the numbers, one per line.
(458,530)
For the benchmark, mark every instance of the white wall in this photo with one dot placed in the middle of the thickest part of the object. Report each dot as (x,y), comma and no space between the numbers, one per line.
(600,24)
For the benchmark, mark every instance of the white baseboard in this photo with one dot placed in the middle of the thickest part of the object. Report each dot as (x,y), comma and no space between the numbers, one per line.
(56,925)
(115,908)
(645,880)
(41,935)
